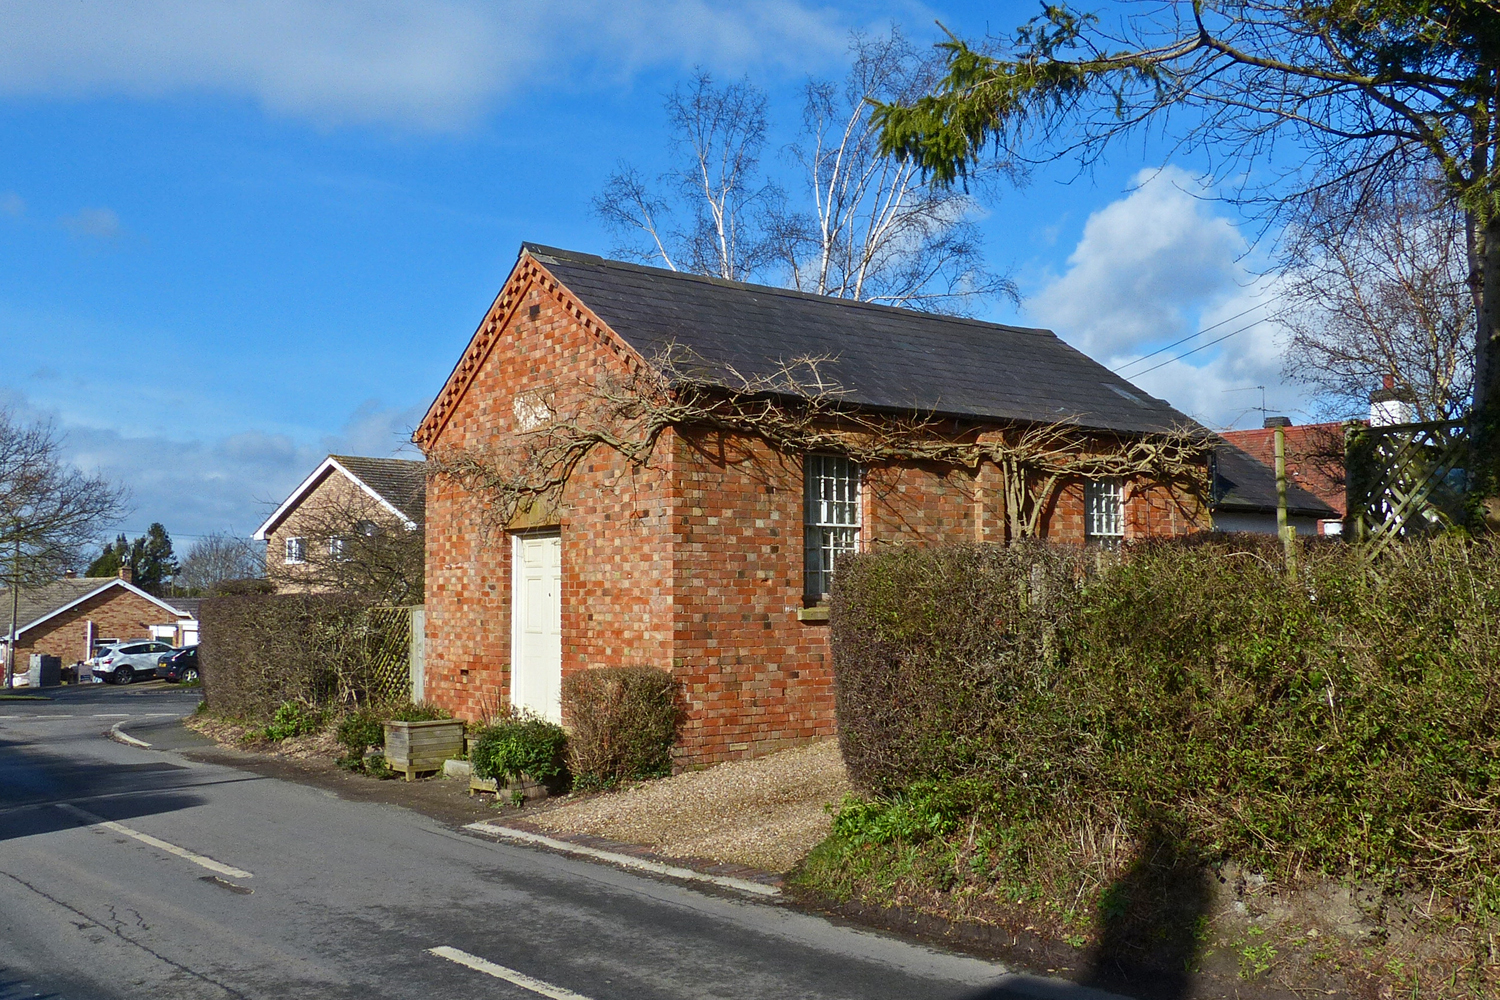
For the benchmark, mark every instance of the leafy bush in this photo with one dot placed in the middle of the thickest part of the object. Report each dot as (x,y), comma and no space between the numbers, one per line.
(625,722)
(362,729)
(357,733)
(1343,722)
(416,711)
(294,719)
(521,744)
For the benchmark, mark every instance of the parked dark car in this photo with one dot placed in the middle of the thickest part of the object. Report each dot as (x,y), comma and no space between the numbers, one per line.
(179,666)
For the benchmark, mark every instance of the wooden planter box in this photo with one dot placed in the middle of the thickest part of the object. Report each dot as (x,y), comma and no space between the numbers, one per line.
(416,747)
(529,789)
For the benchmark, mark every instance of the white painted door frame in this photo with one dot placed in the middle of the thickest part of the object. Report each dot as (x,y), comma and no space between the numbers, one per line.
(536,623)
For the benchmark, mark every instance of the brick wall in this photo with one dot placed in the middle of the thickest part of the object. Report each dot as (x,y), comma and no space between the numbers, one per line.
(533,350)
(756,678)
(117,614)
(334,500)
(693,563)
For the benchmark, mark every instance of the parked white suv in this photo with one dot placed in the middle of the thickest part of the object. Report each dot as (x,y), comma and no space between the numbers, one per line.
(123,663)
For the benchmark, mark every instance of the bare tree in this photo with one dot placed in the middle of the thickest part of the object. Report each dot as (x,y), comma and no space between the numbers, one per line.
(1378,289)
(50,512)
(215,558)
(859,225)
(352,544)
(875,230)
(718,133)
(798,409)
(1284,97)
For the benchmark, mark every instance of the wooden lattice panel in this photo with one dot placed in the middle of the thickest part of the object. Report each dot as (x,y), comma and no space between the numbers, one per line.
(388,645)
(1406,480)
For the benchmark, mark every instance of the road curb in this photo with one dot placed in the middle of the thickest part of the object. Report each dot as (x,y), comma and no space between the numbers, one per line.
(116,734)
(623,860)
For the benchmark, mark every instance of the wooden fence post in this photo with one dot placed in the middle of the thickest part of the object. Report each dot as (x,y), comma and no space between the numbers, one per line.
(1285,531)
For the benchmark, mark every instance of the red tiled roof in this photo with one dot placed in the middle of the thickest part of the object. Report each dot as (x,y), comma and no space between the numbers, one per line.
(1314,457)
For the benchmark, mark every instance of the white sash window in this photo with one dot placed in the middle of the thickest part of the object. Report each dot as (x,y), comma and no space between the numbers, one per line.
(831,518)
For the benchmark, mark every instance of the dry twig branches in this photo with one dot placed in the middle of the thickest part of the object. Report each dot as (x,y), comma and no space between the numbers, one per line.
(796,409)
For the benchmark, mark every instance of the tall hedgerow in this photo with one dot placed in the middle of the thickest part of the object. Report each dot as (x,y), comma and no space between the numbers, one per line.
(1347,721)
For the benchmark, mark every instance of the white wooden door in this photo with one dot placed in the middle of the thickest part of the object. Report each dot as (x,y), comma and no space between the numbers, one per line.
(536,625)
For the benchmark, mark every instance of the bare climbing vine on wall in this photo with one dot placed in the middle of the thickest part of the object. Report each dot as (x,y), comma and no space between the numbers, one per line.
(796,409)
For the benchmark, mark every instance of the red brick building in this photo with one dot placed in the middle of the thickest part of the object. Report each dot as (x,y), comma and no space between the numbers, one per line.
(710,559)
(389,492)
(68,617)
(1314,469)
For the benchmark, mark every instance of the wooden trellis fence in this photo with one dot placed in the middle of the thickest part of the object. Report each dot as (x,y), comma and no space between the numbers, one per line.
(1405,480)
(387,647)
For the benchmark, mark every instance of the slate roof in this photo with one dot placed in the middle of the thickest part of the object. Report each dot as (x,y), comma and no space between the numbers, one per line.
(401,482)
(882,357)
(1244,485)
(37,603)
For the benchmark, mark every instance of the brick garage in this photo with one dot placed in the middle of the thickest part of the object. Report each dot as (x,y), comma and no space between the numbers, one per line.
(61,618)
(695,561)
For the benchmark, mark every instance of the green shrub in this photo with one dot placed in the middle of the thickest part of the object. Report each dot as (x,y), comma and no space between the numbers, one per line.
(362,729)
(1342,723)
(418,711)
(625,721)
(294,719)
(357,733)
(521,744)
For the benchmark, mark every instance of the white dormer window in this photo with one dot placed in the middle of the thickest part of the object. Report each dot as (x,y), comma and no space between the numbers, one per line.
(296,551)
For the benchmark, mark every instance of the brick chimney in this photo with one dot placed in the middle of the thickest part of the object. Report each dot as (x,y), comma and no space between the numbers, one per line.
(126,573)
(1271,422)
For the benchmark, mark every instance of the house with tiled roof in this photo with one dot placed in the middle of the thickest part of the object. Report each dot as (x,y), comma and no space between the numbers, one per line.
(1315,477)
(711,556)
(344,494)
(68,618)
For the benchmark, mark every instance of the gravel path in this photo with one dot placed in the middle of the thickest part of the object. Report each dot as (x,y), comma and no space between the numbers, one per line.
(766,813)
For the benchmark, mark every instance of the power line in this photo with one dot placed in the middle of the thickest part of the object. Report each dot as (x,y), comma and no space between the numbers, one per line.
(1184,340)
(1200,347)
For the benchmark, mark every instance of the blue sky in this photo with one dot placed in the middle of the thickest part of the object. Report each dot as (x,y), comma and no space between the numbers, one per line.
(235,237)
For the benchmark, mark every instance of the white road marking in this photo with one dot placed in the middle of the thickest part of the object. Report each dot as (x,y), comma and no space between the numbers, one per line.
(112,715)
(146,838)
(625,860)
(509,975)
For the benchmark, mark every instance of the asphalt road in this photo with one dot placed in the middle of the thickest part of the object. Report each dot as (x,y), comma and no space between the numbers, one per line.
(128,872)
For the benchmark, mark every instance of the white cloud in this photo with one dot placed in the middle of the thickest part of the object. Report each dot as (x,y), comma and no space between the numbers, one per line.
(196,487)
(1144,264)
(1155,267)
(377,431)
(435,64)
(98,223)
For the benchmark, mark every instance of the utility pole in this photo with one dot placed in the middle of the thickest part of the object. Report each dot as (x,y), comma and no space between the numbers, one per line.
(15,604)
(1287,532)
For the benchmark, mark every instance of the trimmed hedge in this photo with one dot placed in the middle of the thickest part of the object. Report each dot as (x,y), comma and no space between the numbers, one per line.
(624,720)
(259,652)
(1348,722)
